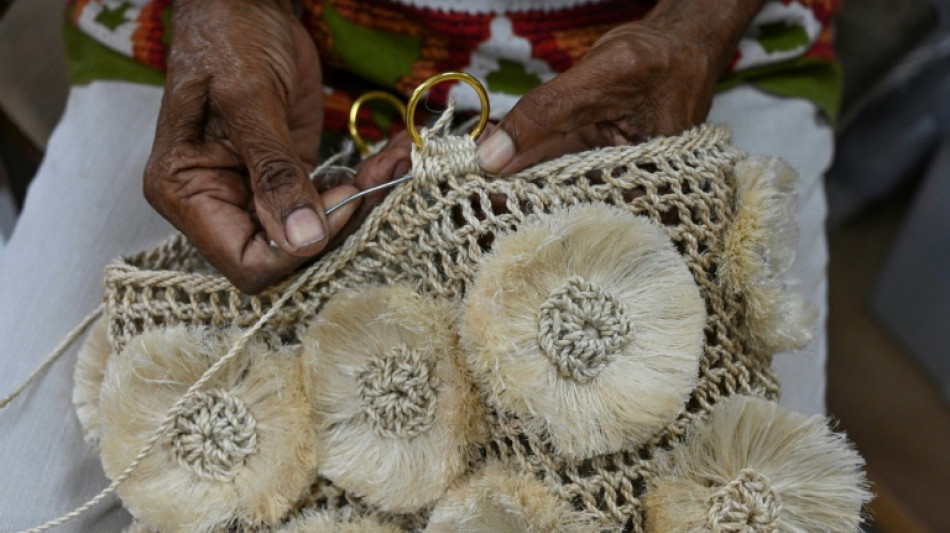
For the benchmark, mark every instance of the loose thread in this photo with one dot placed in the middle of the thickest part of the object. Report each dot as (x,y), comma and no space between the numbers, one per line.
(176,408)
(54,355)
(335,163)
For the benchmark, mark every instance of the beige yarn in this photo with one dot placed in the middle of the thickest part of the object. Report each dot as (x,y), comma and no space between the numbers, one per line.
(587,324)
(240,451)
(87,379)
(214,435)
(398,418)
(564,319)
(432,233)
(756,467)
(397,393)
(746,503)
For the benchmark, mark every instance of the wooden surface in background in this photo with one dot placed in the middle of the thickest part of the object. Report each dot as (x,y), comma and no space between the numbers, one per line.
(882,398)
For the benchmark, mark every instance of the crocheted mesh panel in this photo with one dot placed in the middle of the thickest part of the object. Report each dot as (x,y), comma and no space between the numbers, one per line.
(433,231)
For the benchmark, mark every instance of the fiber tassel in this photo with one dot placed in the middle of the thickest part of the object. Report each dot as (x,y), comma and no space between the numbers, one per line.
(91,363)
(760,246)
(757,467)
(397,414)
(498,501)
(588,325)
(243,452)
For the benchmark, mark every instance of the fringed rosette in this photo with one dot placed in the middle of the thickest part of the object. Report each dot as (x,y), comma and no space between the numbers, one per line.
(586,324)
(636,243)
(757,467)
(398,418)
(241,452)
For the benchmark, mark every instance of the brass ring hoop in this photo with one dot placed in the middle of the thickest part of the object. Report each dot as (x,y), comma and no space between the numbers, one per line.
(439,78)
(358,140)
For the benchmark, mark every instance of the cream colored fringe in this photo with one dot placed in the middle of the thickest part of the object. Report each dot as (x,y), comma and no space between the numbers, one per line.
(190,394)
(760,247)
(173,412)
(90,369)
(759,467)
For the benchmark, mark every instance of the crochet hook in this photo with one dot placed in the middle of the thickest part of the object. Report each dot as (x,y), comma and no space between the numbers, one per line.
(334,207)
(371,190)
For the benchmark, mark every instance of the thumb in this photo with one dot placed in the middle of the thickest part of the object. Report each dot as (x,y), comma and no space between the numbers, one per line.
(287,203)
(547,122)
(530,123)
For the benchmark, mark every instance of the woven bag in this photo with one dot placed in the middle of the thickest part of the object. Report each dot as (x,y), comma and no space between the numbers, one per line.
(434,233)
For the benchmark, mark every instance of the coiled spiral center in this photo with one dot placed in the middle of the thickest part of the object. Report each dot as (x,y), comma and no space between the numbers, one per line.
(582,328)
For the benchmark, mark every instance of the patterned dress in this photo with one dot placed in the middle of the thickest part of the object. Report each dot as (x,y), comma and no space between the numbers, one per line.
(510,45)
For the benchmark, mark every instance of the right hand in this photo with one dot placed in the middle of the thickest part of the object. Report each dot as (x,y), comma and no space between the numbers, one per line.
(238,129)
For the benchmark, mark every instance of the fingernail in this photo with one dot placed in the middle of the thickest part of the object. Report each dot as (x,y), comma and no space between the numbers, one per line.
(303,228)
(496,151)
(402,168)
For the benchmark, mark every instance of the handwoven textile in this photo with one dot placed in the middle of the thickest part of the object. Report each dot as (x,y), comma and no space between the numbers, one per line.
(432,233)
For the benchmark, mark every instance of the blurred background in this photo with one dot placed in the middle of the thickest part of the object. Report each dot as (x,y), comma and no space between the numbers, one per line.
(889,227)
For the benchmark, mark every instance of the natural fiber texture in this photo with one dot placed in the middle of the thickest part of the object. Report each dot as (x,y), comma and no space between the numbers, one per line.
(757,467)
(497,501)
(87,379)
(241,451)
(760,246)
(433,232)
(139,527)
(582,329)
(398,418)
(335,522)
(587,324)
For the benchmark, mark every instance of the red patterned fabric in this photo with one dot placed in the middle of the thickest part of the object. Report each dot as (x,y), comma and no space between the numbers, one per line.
(455,36)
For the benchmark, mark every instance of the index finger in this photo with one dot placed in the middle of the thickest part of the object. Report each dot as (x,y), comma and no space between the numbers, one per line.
(226,234)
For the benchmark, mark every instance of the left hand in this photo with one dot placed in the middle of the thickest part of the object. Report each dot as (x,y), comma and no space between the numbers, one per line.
(641,79)
(638,81)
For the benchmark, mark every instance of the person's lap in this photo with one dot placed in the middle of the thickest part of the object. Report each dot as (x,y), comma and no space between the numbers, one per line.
(85,207)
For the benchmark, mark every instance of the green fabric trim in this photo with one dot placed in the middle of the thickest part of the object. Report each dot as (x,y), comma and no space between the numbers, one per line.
(167,24)
(779,37)
(813,79)
(380,57)
(511,78)
(89,61)
(113,17)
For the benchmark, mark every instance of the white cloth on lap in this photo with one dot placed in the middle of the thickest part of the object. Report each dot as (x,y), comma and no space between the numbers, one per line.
(85,207)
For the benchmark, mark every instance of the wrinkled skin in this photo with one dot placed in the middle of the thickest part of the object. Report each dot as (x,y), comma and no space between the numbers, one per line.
(238,131)
(636,82)
(241,119)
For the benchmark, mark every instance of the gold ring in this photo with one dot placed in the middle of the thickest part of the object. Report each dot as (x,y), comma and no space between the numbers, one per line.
(354,118)
(439,78)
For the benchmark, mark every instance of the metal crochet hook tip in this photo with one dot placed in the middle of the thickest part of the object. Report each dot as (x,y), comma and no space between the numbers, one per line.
(371,190)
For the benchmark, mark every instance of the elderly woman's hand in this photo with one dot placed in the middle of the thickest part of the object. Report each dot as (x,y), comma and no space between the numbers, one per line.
(238,131)
(642,79)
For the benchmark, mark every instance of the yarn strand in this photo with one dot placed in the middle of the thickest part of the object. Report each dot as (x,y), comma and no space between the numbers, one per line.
(175,409)
(443,122)
(54,355)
